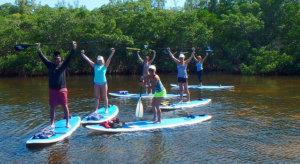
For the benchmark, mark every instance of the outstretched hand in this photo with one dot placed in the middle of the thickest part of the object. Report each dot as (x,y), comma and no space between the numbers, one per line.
(38,46)
(74,44)
(112,50)
(82,52)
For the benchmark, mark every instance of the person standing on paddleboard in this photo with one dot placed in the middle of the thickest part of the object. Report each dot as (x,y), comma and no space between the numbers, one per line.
(199,65)
(182,76)
(146,63)
(100,82)
(160,92)
(58,93)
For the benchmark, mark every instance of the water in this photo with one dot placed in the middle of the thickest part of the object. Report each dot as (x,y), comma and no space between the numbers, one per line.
(256,122)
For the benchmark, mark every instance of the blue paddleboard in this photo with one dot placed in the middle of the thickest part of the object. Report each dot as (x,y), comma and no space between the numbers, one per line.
(113,111)
(60,131)
(150,125)
(193,103)
(175,86)
(135,95)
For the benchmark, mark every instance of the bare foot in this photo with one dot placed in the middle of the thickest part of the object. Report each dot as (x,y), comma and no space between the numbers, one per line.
(68,125)
(180,102)
(106,111)
(188,102)
(52,126)
(157,122)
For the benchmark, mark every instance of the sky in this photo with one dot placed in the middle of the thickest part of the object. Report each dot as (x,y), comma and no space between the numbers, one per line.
(91,4)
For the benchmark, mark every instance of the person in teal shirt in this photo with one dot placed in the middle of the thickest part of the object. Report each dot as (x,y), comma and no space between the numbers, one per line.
(160,92)
(100,82)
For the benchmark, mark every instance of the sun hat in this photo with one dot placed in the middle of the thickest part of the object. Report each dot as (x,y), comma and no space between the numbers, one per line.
(100,58)
(152,67)
(181,56)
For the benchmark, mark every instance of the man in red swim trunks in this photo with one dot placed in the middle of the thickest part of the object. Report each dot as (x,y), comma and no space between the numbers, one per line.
(58,93)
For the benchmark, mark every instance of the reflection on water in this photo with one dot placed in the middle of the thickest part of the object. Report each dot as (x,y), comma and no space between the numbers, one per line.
(256,122)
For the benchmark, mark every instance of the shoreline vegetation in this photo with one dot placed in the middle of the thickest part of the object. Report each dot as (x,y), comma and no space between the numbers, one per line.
(248,37)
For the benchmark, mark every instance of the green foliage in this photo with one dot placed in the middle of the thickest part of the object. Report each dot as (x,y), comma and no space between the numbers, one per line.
(265,61)
(248,37)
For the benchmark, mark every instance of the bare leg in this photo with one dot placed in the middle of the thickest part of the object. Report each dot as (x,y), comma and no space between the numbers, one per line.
(181,92)
(150,90)
(97,96)
(52,115)
(158,110)
(186,90)
(104,89)
(66,111)
(154,110)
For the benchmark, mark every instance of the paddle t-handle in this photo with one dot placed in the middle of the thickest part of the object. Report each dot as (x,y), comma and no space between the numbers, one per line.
(209,50)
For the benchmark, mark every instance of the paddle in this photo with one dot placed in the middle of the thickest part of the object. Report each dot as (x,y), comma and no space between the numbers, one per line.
(134,49)
(209,50)
(22,47)
(139,106)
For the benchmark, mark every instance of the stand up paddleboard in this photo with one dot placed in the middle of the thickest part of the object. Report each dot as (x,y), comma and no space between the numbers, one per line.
(193,103)
(175,86)
(134,95)
(150,125)
(60,132)
(113,111)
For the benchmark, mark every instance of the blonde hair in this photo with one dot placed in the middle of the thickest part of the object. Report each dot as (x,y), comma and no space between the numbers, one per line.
(199,57)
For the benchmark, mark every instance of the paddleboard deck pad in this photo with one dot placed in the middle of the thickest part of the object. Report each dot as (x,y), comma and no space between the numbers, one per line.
(193,103)
(59,133)
(101,116)
(175,86)
(136,95)
(150,125)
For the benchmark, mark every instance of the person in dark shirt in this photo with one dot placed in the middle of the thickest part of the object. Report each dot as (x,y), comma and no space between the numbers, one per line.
(58,93)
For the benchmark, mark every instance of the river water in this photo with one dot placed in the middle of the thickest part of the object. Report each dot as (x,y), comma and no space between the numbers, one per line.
(256,122)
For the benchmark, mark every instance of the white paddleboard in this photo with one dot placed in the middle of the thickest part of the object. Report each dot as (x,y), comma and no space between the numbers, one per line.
(61,131)
(150,125)
(113,111)
(175,86)
(130,95)
(193,103)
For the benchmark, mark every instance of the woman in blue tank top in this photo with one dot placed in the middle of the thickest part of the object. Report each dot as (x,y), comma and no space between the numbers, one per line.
(100,83)
(199,65)
(182,73)
(146,63)
(160,92)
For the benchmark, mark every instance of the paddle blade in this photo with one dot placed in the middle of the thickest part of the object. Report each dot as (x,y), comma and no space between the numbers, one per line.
(135,49)
(139,109)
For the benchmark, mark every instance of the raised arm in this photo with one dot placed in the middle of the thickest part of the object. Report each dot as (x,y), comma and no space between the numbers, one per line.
(195,59)
(191,57)
(154,54)
(138,54)
(205,57)
(110,56)
(68,58)
(87,59)
(41,55)
(172,56)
